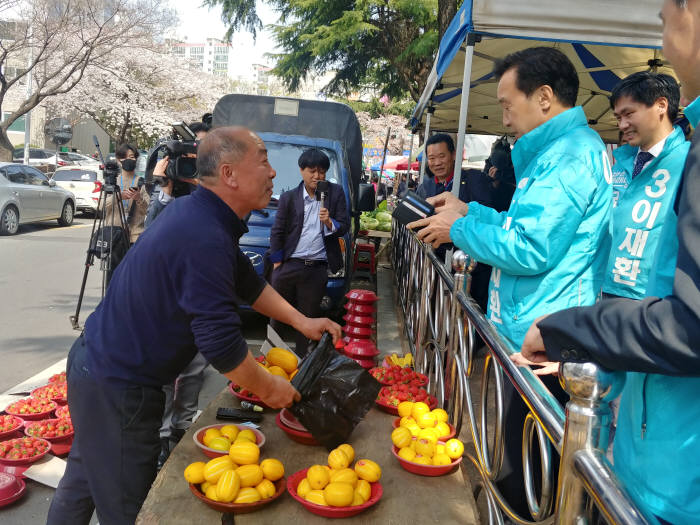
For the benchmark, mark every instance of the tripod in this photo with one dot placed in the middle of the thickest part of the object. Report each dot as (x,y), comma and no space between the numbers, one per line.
(105,240)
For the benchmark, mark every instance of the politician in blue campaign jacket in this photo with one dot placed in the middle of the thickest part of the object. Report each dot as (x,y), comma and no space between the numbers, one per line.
(304,239)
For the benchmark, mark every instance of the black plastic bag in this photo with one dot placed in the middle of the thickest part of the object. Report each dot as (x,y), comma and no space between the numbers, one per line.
(336,394)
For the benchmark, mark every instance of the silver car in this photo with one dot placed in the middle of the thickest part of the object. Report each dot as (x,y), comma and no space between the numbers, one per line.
(26,195)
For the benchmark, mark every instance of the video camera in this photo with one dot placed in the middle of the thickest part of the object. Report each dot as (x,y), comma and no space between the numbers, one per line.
(111,172)
(182,154)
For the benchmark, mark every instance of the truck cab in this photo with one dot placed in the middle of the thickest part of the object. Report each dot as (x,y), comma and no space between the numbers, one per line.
(288,127)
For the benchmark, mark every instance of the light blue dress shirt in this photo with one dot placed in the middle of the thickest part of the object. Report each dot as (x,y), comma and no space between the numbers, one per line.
(310,245)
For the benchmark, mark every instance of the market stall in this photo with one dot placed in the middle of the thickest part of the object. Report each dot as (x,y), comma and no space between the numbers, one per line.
(406,497)
(606,41)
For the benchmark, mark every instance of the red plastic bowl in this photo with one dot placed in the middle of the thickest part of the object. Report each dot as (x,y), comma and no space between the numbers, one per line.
(63,412)
(359,320)
(453,431)
(391,409)
(425,470)
(347,340)
(362,349)
(361,296)
(367,364)
(254,400)
(289,420)
(11,488)
(30,424)
(25,461)
(212,452)
(360,332)
(240,508)
(305,438)
(40,392)
(328,511)
(33,417)
(360,309)
(18,422)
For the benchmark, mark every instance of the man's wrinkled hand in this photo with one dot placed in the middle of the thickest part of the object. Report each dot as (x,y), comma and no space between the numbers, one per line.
(436,229)
(446,201)
(313,328)
(279,394)
(533,345)
(545,367)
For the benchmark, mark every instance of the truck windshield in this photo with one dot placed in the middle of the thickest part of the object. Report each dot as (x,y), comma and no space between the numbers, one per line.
(283,158)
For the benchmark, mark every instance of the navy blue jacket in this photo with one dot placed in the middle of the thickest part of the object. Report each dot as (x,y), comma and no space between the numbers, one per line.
(289,221)
(474,186)
(175,292)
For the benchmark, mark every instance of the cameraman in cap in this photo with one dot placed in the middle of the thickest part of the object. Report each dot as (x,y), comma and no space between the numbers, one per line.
(169,191)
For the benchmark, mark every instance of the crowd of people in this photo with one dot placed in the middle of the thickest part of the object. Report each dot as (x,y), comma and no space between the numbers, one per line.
(593,262)
(579,260)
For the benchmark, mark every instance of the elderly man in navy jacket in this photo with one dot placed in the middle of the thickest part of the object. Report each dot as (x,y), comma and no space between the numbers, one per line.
(304,239)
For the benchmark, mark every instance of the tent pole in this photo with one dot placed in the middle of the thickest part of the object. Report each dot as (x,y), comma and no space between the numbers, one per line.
(425,138)
(410,152)
(463,108)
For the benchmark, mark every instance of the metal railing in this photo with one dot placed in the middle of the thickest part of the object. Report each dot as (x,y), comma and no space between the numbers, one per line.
(441,322)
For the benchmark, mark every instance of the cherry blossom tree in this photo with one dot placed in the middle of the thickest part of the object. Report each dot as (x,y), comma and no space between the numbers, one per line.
(138,95)
(55,42)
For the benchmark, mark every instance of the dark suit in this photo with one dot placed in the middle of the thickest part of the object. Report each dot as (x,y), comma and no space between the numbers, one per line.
(289,220)
(302,282)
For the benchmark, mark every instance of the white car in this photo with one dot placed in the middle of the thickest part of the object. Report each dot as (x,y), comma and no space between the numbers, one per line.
(85,182)
(26,195)
(78,158)
(40,157)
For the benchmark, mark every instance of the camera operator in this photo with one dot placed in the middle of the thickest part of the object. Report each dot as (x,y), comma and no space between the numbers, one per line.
(181,396)
(134,195)
(189,275)
(167,191)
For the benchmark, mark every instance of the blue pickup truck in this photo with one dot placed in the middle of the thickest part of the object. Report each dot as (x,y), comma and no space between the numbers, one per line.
(289,126)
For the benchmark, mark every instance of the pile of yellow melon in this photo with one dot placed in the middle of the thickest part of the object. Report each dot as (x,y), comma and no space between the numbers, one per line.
(337,484)
(237,477)
(280,362)
(418,436)
(222,438)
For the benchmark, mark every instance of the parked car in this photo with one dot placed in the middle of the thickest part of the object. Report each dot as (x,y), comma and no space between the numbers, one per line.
(26,195)
(84,182)
(78,159)
(40,156)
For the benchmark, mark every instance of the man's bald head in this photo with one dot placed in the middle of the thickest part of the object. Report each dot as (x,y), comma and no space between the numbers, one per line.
(229,143)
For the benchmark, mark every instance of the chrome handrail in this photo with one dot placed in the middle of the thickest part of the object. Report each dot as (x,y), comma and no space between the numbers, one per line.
(441,320)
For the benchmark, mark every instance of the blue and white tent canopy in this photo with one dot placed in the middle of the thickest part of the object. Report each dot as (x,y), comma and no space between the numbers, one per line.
(606,41)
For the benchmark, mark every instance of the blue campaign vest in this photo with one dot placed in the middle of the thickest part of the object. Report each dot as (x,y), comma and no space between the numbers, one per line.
(657,446)
(644,222)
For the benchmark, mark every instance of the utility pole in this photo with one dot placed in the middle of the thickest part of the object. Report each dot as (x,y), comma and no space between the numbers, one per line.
(28,114)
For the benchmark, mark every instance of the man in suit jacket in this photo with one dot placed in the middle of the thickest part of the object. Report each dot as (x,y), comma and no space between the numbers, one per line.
(656,442)
(304,239)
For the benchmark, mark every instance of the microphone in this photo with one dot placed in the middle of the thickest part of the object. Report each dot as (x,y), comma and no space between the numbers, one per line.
(322,191)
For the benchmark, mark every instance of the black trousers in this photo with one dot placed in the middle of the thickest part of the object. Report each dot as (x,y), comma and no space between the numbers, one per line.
(112,462)
(303,286)
(511,482)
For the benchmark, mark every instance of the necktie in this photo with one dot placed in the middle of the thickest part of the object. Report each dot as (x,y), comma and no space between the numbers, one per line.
(642,158)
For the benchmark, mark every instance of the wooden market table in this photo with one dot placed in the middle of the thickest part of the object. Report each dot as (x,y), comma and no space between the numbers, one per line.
(407,498)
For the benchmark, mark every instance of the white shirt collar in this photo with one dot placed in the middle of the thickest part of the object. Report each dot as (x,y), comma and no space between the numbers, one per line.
(657,148)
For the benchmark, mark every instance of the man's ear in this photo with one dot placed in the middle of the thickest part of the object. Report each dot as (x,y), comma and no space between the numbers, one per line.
(661,104)
(545,97)
(229,176)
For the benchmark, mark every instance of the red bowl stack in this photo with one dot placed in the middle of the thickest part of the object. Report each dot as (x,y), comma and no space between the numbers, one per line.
(361,327)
